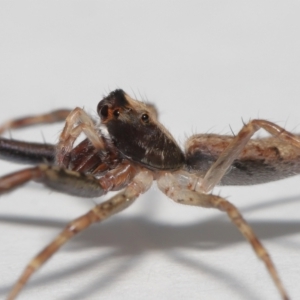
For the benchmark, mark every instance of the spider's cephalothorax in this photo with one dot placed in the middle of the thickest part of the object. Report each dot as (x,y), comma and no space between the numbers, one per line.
(134,129)
(130,149)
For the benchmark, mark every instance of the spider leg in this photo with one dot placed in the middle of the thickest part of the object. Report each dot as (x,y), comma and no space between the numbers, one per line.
(51,117)
(167,184)
(26,152)
(225,160)
(72,182)
(100,212)
(77,121)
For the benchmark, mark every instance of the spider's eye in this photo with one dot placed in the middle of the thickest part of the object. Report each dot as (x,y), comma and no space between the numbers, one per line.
(103,111)
(145,118)
(116,113)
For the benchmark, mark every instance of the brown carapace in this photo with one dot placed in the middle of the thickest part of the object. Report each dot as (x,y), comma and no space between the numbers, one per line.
(128,149)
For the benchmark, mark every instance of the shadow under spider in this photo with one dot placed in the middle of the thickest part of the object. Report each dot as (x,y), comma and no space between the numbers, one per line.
(133,237)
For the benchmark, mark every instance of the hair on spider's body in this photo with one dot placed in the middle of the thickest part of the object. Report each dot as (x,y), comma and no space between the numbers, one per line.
(130,149)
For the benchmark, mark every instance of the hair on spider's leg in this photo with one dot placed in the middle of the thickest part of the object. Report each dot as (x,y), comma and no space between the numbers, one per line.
(233,134)
(166,184)
(244,123)
(140,184)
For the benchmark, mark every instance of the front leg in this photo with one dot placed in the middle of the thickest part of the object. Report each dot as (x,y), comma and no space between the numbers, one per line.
(172,186)
(100,212)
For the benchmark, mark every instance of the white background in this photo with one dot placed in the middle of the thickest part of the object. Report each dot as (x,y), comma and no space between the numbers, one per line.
(206,65)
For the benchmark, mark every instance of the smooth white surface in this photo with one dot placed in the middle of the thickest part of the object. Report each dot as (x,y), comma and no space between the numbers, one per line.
(206,65)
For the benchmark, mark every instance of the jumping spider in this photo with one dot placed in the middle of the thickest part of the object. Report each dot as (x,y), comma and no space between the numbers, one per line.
(129,149)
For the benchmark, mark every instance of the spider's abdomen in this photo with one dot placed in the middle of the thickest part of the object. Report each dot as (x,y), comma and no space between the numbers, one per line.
(262,160)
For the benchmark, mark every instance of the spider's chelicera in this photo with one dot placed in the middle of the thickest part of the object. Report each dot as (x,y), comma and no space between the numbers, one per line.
(129,149)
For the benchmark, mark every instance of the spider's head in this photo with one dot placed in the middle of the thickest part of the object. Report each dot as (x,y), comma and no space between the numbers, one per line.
(118,105)
(136,132)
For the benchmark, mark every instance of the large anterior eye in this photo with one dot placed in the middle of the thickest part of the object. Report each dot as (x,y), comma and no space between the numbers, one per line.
(103,111)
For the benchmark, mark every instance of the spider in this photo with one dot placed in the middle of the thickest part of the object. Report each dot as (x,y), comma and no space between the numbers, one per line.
(129,149)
